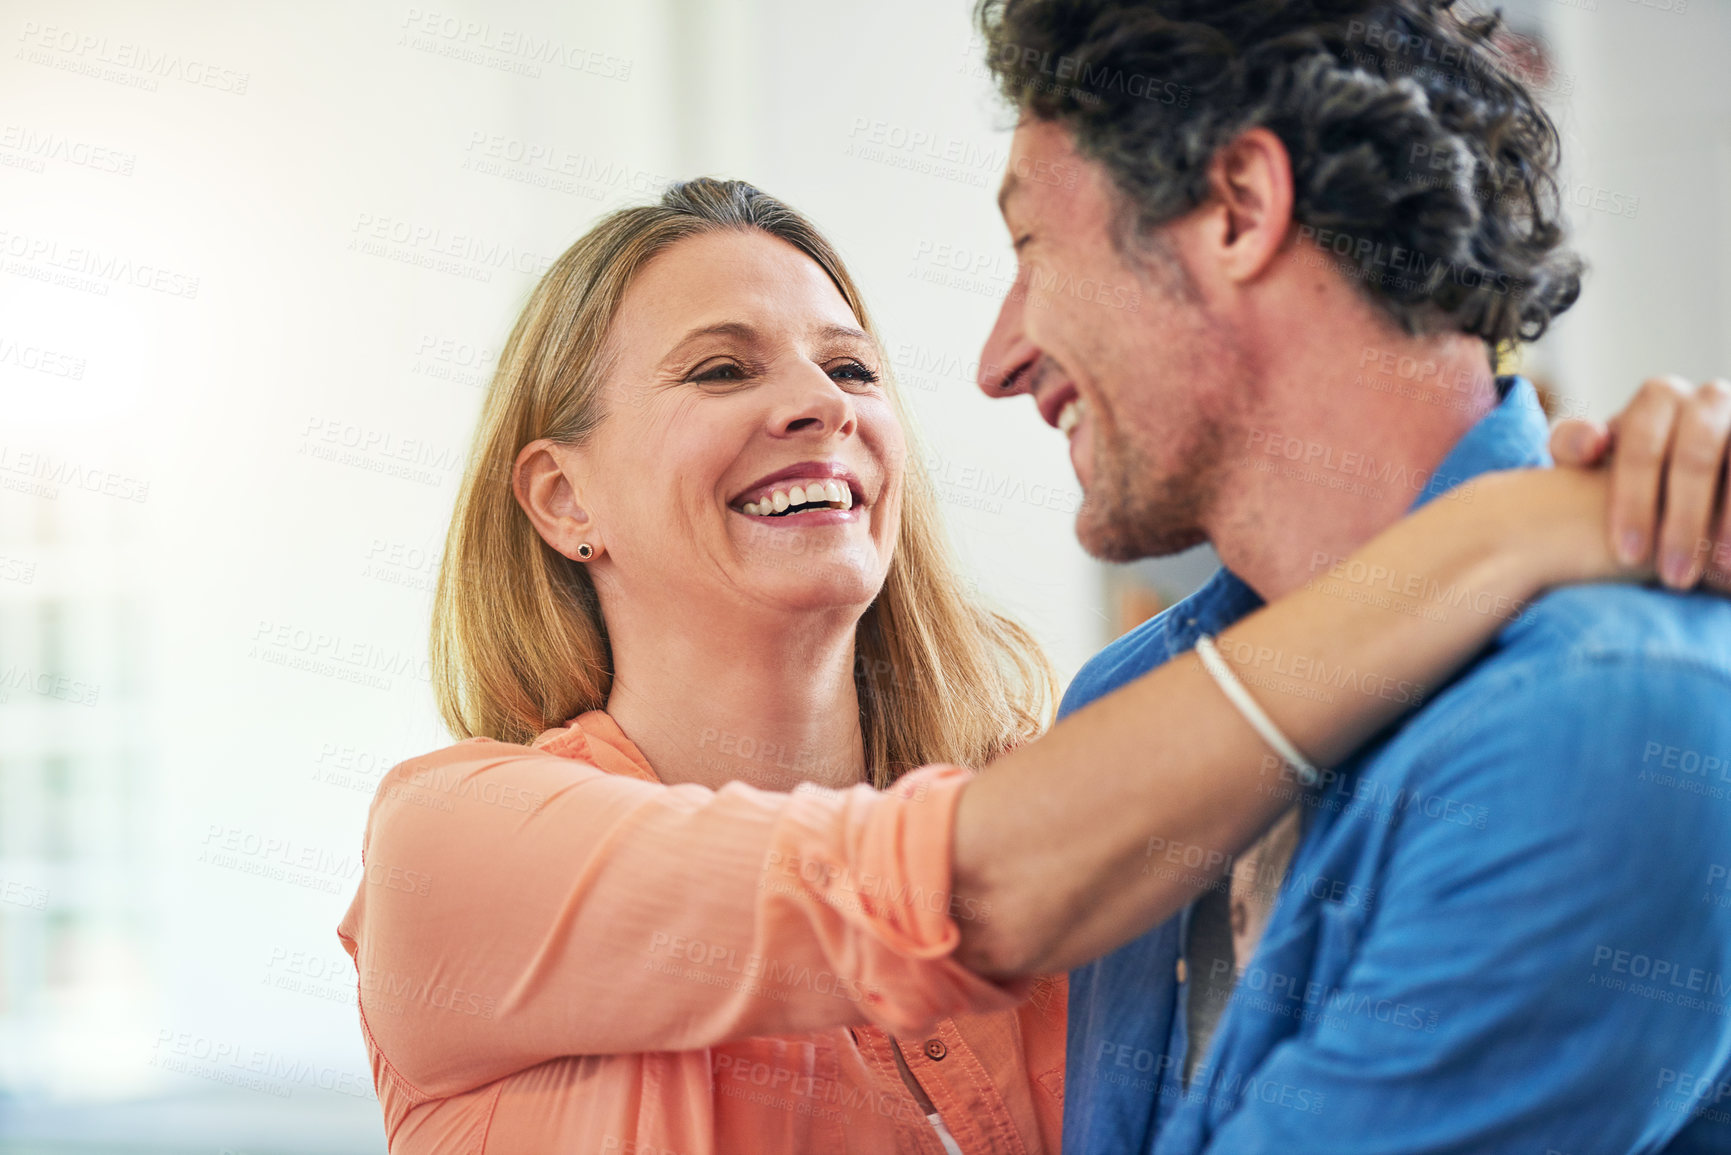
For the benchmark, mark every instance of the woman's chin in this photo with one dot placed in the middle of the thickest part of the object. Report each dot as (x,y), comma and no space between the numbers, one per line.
(815,587)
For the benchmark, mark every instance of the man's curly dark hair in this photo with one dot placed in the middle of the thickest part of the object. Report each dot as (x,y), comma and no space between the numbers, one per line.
(1420,157)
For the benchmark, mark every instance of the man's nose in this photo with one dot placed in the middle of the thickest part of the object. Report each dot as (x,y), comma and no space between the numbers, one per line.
(1008,353)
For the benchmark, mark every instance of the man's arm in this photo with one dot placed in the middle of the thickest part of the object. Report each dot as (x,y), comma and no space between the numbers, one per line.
(1573,955)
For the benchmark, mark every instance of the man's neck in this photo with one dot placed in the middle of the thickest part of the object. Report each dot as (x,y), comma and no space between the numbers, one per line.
(767,699)
(1350,428)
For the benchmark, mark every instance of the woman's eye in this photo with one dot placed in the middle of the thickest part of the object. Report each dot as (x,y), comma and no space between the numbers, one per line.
(854,371)
(723,372)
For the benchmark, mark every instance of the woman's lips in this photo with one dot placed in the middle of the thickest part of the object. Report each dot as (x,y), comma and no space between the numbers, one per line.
(807,519)
(824,473)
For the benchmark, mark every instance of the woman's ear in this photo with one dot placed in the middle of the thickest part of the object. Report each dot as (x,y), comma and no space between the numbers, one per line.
(542,480)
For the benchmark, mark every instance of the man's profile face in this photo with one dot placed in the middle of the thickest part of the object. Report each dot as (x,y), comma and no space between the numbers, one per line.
(1118,351)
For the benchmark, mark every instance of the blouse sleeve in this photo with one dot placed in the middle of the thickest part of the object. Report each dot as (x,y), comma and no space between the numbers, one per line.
(518,906)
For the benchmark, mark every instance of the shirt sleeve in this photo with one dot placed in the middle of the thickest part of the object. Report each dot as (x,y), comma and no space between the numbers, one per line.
(519,906)
(1557,981)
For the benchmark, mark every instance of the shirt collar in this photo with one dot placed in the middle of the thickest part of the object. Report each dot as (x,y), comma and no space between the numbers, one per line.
(1513,435)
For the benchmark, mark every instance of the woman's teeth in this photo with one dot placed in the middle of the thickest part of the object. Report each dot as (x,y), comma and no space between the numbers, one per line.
(1071,414)
(811,493)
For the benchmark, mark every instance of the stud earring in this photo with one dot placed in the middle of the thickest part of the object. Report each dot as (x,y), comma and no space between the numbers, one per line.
(585,551)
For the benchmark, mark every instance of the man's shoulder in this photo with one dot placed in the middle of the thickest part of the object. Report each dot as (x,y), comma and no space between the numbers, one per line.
(1616,629)
(1589,751)
(1123,660)
(1585,674)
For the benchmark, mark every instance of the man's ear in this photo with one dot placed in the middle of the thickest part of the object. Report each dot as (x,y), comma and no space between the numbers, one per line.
(1251,183)
(541,482)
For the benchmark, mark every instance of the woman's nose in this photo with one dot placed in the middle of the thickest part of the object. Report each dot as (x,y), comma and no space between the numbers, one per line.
(816,404)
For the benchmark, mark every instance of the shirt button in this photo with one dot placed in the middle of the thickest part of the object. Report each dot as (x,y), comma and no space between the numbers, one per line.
(1183,971)
(935,1049)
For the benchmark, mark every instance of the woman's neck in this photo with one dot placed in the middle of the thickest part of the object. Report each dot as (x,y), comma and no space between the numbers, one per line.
(770,703)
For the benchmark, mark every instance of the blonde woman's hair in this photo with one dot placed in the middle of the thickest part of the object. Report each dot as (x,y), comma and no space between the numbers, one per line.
(519,644)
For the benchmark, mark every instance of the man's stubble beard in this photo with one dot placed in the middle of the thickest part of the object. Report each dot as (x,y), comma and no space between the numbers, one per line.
(1143,505)
(1136,510)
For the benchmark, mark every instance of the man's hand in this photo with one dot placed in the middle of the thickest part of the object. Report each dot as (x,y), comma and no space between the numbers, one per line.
(1669,466)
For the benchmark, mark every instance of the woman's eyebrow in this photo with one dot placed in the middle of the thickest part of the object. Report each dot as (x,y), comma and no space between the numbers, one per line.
(847,332)
(746,334)
(725,329)
(738,330)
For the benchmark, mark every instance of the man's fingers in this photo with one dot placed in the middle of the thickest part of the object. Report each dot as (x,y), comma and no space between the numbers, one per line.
(1692,484)
(1578,442)
(1643,434)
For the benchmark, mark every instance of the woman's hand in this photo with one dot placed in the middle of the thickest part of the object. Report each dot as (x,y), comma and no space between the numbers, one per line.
(1669,467)
(1546,524)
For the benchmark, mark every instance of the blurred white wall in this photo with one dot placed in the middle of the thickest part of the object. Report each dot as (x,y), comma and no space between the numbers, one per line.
(1646,123)
(257,262)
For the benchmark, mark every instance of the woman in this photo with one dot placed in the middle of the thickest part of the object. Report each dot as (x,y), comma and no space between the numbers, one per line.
(693,566)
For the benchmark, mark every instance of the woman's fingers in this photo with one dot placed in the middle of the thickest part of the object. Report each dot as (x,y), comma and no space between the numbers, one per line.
(1579,443)
(1643,434)
(1718,573)
(1692,485)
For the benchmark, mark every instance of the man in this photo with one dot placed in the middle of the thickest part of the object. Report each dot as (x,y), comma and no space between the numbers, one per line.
(1267,255)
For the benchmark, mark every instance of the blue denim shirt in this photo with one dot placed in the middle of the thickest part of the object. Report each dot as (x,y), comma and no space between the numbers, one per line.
(1507,924)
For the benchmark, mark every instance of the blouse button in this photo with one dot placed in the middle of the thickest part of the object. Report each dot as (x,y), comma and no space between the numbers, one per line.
(935,1049)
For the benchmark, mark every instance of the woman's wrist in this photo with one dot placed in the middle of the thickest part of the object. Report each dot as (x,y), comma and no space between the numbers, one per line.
(1540,528)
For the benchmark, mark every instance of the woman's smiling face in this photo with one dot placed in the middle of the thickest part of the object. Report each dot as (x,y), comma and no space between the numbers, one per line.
(749,451)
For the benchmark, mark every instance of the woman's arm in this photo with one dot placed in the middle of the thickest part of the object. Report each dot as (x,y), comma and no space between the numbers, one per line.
(1054,837)
(518,906)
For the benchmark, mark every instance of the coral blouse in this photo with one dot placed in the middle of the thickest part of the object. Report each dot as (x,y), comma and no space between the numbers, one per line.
(558,953)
